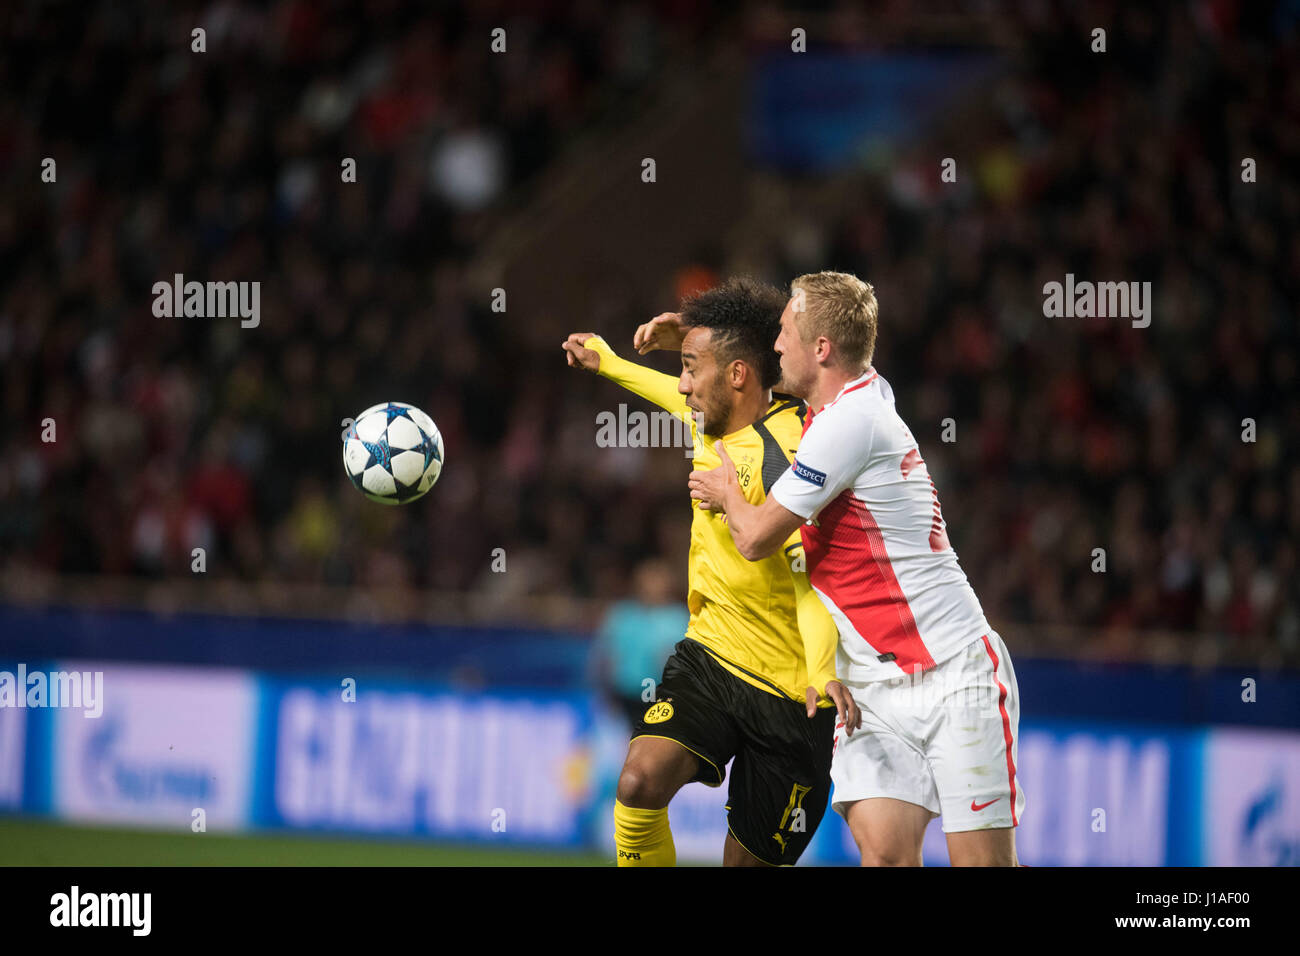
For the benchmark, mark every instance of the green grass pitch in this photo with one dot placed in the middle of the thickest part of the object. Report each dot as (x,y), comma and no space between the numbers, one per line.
(30,842)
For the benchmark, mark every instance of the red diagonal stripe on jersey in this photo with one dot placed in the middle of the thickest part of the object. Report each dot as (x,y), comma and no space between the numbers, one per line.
(1006,728)
(848,562)
(910,461)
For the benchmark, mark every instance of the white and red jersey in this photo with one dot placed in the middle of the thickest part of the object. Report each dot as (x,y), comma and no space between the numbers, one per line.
(875,539)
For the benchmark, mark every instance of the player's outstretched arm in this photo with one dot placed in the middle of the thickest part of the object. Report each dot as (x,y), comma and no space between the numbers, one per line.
(589,351)
(758,530)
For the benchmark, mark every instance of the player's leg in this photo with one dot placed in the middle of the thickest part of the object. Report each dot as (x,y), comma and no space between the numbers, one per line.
(780,779)
(655,769)
(884,788)
(685,735)
(983,847)
(973,754)
(733,854)
(888,832)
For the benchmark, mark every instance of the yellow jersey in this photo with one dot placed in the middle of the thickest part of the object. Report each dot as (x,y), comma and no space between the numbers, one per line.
(760,620)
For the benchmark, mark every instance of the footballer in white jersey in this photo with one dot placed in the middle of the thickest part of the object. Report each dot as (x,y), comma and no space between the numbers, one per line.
(933,681)
(875,539)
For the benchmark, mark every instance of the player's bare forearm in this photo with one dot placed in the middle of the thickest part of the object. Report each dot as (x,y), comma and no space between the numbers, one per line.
(759,531)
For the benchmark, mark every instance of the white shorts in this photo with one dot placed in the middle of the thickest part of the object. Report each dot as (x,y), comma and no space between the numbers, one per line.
(945,741)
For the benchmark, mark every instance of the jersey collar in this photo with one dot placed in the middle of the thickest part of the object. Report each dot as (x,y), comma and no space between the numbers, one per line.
(863,380)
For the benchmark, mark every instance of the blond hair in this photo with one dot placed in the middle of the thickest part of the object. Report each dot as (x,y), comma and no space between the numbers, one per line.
(841,307)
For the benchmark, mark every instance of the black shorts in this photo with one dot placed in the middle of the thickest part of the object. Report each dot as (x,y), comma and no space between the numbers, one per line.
(781,778)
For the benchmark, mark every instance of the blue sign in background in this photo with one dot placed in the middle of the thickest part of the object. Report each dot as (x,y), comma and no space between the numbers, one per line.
(1117,761)
(540,658)
(420,759)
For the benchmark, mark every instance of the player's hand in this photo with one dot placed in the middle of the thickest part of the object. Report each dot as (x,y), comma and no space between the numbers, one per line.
(846,708)
(664,331)
(580,356)
(709,487)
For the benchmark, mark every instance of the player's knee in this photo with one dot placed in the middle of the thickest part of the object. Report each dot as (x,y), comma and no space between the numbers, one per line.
(639,786)
(889,856)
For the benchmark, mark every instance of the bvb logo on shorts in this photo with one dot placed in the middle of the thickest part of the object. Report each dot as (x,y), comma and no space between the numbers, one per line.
(659,712)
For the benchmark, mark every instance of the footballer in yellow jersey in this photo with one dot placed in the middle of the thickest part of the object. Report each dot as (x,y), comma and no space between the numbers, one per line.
(753,678)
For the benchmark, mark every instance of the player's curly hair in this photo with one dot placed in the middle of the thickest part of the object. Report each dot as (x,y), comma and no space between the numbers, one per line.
(744,316)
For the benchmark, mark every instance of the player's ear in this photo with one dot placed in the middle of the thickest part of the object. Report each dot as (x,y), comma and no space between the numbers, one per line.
(739,374)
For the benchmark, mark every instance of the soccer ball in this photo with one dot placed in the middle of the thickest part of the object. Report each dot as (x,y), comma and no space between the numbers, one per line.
(393,453)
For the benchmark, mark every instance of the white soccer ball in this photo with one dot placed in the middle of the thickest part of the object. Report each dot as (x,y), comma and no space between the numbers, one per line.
(393,453)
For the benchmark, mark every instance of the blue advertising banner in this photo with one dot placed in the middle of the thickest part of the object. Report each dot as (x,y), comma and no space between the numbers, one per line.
(423,761)
(172,747)
(13,757)
(1083,691)
(1251,799)
(242,751)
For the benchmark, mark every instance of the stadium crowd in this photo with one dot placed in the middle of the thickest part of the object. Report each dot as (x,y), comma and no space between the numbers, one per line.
(1172,447)
(1070,434)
